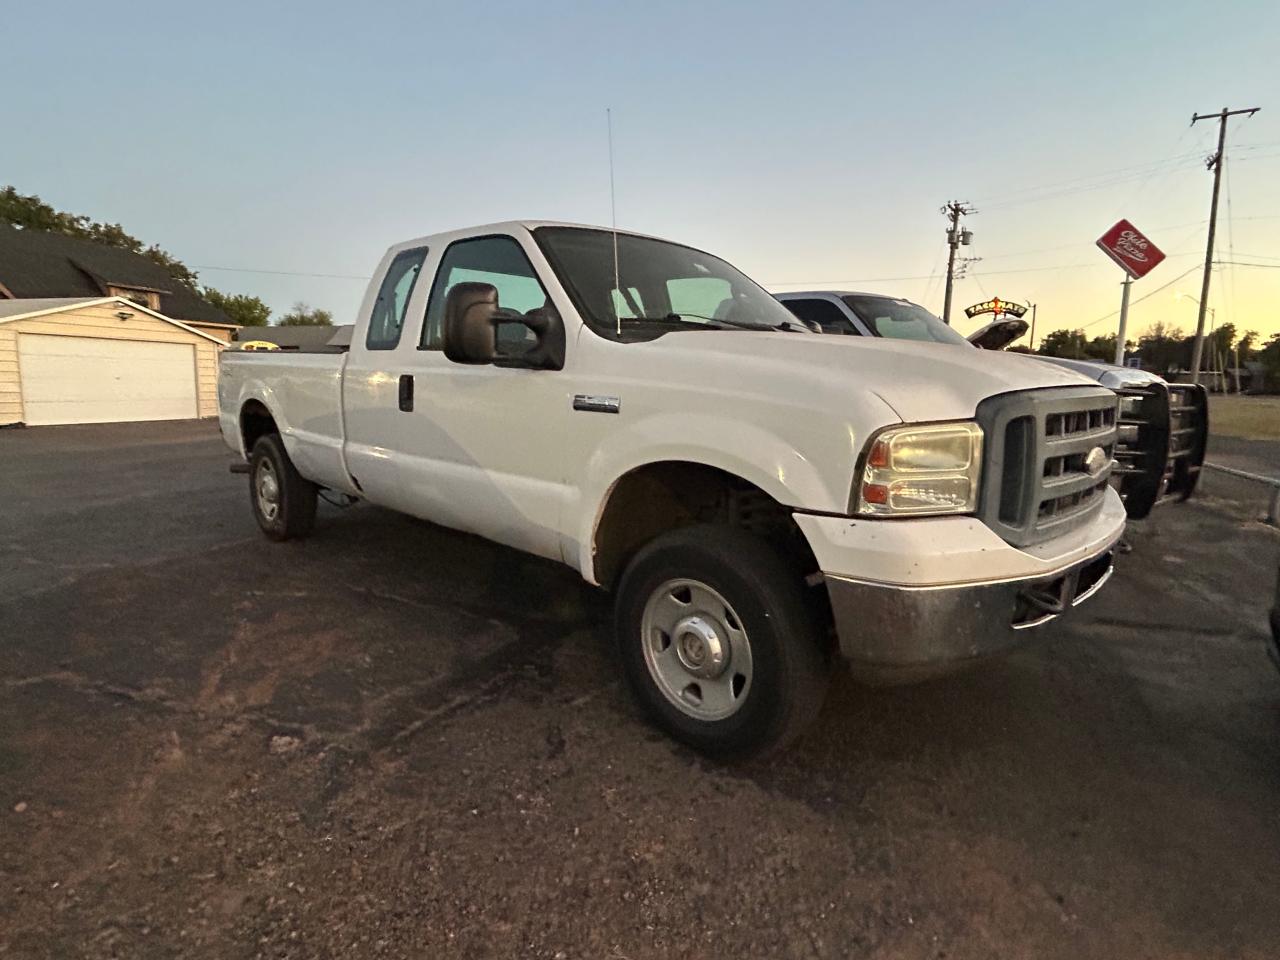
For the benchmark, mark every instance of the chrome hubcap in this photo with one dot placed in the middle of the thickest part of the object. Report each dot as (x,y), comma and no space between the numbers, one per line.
(696,650)
(268,490)
(701,650)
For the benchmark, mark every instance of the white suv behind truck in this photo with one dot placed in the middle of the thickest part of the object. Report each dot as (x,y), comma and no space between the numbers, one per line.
(761,500)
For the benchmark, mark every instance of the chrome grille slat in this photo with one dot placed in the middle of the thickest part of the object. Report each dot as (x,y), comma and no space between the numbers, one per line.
(1067,484)
(1082,443)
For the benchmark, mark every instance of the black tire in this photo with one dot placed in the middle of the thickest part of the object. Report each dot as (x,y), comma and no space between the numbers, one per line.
(790,665)
(295,509)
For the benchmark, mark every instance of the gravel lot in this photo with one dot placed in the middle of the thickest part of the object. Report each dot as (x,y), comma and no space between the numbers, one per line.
(396,741)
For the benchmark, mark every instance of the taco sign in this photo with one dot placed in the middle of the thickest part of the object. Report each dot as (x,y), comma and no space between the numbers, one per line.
(997,306)
(1130,249)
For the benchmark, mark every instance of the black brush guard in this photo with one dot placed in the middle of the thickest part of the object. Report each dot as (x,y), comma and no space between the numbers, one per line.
(1160,449)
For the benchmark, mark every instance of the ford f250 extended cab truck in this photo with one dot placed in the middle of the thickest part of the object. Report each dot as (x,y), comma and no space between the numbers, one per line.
(759,499)
(1164,427)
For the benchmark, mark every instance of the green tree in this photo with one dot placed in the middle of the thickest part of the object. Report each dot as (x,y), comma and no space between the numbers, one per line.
(1269,355)
(1163,348)
(1218,345)
(1101,348)
(1247,345)
(32,213)
(239,307)
(303,315)
(1063,343)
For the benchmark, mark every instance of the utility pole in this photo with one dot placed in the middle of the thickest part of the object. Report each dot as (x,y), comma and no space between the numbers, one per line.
(1214,164)
(1032,344)
(956,237)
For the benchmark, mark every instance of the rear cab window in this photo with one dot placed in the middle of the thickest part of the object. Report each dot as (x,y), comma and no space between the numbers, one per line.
(386,320)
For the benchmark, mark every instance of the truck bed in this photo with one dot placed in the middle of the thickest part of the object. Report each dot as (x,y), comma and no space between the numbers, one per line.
(305,395)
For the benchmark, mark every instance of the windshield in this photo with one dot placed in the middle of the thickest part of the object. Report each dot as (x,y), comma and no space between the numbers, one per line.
(901,320)
(661,286)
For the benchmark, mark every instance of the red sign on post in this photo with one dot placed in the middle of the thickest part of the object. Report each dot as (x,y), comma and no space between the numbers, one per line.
(1135,254)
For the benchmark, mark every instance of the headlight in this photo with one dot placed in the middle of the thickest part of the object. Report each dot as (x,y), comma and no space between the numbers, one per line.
(919,469)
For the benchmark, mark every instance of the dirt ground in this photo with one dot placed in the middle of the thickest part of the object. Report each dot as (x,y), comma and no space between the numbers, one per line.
(395,741)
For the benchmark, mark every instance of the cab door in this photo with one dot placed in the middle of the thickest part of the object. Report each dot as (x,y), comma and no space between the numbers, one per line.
(374,380)
(485,446)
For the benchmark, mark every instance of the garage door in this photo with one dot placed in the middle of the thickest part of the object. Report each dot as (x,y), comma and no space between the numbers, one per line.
(91,380)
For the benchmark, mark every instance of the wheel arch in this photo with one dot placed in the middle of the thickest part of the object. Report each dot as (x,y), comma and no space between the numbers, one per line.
(655,497)
(255,420)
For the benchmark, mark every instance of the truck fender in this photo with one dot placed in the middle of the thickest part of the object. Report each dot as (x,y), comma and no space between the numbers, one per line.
(744,450)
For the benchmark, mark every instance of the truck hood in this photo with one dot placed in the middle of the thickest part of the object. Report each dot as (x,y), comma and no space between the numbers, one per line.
(920,381)
(998,334)
(1107,374)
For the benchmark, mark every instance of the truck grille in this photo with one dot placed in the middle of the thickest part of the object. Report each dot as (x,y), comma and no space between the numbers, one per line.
(1048,460)
(1160,444)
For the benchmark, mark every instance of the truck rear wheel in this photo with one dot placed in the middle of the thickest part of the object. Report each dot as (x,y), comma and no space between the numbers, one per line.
(284,502)
(718,643)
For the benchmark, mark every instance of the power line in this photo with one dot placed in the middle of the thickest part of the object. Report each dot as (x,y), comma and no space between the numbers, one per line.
(935,276)
(1117,175)
(1133,171)
(1145,296)
(1074,266)
(1067,191)
(933,270)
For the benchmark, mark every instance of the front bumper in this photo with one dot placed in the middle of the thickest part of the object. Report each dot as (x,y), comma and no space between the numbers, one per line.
(897,634)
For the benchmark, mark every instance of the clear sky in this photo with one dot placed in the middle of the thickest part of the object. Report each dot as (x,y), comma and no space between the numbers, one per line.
(810,144)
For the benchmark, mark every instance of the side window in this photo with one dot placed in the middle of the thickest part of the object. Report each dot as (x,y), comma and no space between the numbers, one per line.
(699,296)
(387,319)
(499,261)
(822,312)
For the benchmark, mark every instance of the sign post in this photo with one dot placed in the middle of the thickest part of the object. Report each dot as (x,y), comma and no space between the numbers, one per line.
(1124,319)
(1136,256)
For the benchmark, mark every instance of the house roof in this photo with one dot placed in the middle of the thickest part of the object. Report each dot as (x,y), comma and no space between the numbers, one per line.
(15,309)
(11,310)
(34,264)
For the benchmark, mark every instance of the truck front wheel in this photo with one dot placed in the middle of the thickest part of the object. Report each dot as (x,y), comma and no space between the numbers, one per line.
(718,643)
(284,502)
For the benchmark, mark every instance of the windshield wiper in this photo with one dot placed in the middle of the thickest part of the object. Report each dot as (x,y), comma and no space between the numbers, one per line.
(740,324)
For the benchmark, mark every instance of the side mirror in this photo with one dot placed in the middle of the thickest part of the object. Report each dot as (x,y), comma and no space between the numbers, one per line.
(547,353)
(471,319)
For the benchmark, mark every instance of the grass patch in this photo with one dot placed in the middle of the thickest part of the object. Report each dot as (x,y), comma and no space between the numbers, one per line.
(1251,418)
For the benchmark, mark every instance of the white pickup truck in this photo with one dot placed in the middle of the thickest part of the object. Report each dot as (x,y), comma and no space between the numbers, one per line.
(760,499)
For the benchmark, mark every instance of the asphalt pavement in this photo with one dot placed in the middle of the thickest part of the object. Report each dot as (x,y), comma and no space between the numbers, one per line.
(392,740)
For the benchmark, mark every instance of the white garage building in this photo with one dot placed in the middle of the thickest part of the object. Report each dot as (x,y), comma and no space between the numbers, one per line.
(101,360)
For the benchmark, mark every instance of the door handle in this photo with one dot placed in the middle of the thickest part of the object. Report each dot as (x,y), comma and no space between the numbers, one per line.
(406,392)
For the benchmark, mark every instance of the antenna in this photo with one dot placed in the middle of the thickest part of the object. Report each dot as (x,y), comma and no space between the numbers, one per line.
(613,210)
